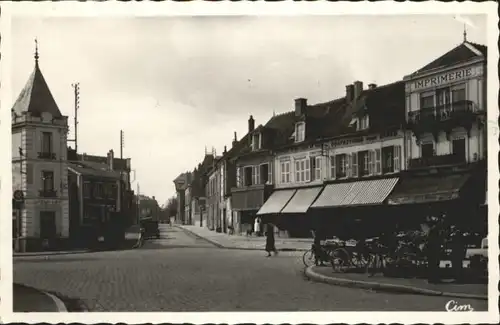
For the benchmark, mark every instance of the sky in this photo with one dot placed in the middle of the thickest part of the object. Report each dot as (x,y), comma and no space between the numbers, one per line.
(176,85)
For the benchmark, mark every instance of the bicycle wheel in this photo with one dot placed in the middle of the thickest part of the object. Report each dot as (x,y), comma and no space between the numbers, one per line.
(308,258)
(340,260)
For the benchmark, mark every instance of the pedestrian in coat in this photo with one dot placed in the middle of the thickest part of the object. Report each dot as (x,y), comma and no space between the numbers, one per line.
(270,245)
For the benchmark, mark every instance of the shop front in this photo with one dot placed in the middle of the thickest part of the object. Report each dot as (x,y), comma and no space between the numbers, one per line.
(245,203)
(351,210)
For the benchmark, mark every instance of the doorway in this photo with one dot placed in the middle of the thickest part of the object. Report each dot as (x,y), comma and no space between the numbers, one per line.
(47,224)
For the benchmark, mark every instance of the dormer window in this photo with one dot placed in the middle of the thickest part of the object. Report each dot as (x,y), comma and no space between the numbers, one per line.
(256,141)
(300,132)
(364,123)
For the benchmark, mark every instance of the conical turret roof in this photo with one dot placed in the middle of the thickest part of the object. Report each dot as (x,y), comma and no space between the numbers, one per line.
(36,97)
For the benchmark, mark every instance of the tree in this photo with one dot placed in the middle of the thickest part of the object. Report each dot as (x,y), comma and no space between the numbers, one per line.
(171,206)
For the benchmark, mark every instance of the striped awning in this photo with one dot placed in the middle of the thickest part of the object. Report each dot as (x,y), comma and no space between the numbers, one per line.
(355,193)
(276,202)
(302,200)
(428,189)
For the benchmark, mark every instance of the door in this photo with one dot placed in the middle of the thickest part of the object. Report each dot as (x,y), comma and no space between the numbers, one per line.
(458,149)
(47,224)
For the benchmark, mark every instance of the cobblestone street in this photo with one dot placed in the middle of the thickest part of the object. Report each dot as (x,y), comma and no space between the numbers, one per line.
(180,272)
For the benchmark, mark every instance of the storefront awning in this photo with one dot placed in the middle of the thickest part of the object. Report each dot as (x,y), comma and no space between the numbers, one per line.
(428,189)
(276,202)
(355,193)
(302,200)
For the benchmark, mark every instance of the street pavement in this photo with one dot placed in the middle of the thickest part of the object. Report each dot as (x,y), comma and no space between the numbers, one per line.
(182,272)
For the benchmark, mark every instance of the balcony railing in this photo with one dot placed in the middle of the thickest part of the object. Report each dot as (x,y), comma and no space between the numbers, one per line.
(442,112)
(47,193)
(47,155)
(424,162)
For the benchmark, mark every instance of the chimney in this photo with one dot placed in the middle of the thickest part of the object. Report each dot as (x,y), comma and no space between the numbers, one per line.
(349,93)
(372,86)
(300,106)
(225,149)
(111,157)
(251,124)
(358,88)
(235,140)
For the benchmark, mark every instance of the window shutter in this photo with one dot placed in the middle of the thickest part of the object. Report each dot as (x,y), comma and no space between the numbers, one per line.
(270,173)
(297,171)
(354,163)
(348,166)
(308,170)
(378,165)
(370,162)
(238,177)
(318,168)
(312,170)
(397,158)
(332,166)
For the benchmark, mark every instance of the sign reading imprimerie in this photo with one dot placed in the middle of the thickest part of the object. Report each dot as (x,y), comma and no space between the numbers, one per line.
(446,78)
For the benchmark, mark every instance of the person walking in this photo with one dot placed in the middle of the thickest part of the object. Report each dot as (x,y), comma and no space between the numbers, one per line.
(270,245)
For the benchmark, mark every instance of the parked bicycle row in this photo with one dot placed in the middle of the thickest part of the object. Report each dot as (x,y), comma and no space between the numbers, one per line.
(436,251)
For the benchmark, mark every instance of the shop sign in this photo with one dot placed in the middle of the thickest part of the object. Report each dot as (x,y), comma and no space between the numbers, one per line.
(47,202)
(444,78)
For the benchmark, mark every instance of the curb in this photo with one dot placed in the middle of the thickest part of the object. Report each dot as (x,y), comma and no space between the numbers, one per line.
(238,248)
(61,307)
(51,253)
(309,273)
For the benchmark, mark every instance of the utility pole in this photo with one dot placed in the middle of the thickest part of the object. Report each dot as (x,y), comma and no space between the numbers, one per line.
(76,88)
(122,143)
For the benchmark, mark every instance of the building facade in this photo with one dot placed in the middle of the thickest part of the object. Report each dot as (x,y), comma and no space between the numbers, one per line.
(254,163)
(446,139)
(95,204)
(39,166)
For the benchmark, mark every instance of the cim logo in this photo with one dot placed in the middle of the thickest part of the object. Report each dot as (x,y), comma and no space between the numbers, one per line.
(453,305)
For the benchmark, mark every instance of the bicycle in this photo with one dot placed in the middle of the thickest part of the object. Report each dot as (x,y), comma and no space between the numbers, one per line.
(316,256)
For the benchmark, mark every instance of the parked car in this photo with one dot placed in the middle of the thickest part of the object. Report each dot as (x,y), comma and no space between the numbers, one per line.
(150,228)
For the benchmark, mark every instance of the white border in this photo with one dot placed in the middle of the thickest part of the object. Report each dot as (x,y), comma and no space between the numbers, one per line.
(288,8)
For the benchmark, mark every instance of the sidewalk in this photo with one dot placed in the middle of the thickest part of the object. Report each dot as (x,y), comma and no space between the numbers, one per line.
(26,299)
(399,285)
(223,240)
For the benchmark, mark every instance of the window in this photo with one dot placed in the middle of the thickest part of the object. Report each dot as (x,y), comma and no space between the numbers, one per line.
(48,181)
(302,170)
(285,172)
(341,164)
(458,94)
(300,132)
(427,150)
(265,174)
(46,142)
(426,100)
(354,164)
(98,191)
(363,163)
(458,148)
(388,159)
(256,175)
(443,97)
(363,123)
(256,141)
(86,190)
(248,176)
(316,168)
